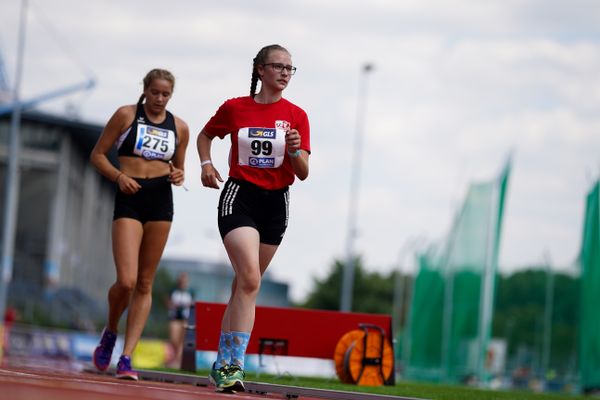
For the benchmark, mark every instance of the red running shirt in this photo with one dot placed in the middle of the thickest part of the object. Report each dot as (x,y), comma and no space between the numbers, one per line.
(258,152)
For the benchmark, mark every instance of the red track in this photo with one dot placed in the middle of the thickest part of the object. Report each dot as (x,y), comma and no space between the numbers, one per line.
(32,379)
(59,381)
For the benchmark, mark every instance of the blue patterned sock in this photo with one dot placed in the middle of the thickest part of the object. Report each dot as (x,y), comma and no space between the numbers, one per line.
(238,347)
(224,351)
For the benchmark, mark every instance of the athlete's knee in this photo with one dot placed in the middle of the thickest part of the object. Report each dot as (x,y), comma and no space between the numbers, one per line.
(144,285)
(249,283)
(125,285)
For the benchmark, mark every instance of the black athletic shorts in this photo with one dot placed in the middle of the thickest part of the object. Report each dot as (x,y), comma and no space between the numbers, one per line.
(153,202)
(244,204)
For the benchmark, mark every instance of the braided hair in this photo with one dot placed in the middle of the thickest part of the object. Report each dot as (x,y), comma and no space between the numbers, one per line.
(260,59)
(156,73)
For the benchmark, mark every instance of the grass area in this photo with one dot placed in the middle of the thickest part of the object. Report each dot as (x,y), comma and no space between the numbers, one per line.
(408,389)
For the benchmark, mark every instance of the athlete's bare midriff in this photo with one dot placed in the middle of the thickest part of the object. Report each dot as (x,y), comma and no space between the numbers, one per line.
(137,167)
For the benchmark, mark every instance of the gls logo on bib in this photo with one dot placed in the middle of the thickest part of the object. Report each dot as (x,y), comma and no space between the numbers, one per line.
(265,133)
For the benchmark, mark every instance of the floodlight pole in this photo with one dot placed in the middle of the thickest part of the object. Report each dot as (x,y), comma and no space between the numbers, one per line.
(13,175)
(350,264)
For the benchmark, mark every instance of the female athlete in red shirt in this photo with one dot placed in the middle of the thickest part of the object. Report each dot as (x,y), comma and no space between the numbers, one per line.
(270,146)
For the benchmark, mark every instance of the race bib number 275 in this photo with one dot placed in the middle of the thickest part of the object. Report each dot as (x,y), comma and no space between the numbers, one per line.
(154,143)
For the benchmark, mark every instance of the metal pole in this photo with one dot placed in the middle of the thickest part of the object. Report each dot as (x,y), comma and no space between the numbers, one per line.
(27,104)
(447,269)
(11,201)
(349,267)
(486,295)
(400,283)
(398,300)
(548,311)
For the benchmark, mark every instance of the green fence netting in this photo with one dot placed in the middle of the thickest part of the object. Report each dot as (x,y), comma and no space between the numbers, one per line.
(452,297)
(589,332)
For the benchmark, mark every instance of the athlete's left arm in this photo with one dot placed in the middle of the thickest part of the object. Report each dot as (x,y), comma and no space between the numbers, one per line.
(298,157)
(177,175)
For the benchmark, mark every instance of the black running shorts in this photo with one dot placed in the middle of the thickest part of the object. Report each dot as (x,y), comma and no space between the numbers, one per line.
(244,204)
(153,202)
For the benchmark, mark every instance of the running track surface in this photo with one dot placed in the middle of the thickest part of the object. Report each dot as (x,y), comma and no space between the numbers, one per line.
(60,381)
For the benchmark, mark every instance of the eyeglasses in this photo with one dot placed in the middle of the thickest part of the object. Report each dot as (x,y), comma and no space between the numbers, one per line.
(277,67)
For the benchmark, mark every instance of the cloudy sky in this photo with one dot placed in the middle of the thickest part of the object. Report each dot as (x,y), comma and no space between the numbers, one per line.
(457,86)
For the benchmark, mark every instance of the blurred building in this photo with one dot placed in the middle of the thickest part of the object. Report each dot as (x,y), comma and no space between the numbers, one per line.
(62,256)
(211,281)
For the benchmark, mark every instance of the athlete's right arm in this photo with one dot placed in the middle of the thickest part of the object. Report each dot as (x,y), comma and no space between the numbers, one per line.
(115,125)
(210,176)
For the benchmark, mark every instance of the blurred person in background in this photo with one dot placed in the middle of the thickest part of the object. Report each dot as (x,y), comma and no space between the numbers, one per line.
(11,315)
(179,303)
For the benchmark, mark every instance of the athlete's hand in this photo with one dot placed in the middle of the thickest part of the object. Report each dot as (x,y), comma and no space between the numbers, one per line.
(210,176)
(176,175)
(128,185)
(292,140)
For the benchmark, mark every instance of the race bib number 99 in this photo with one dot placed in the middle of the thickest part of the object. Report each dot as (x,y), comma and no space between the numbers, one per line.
(154,143)
(261,147)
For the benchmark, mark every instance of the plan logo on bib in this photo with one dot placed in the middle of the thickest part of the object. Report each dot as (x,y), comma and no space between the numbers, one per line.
(261,162)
